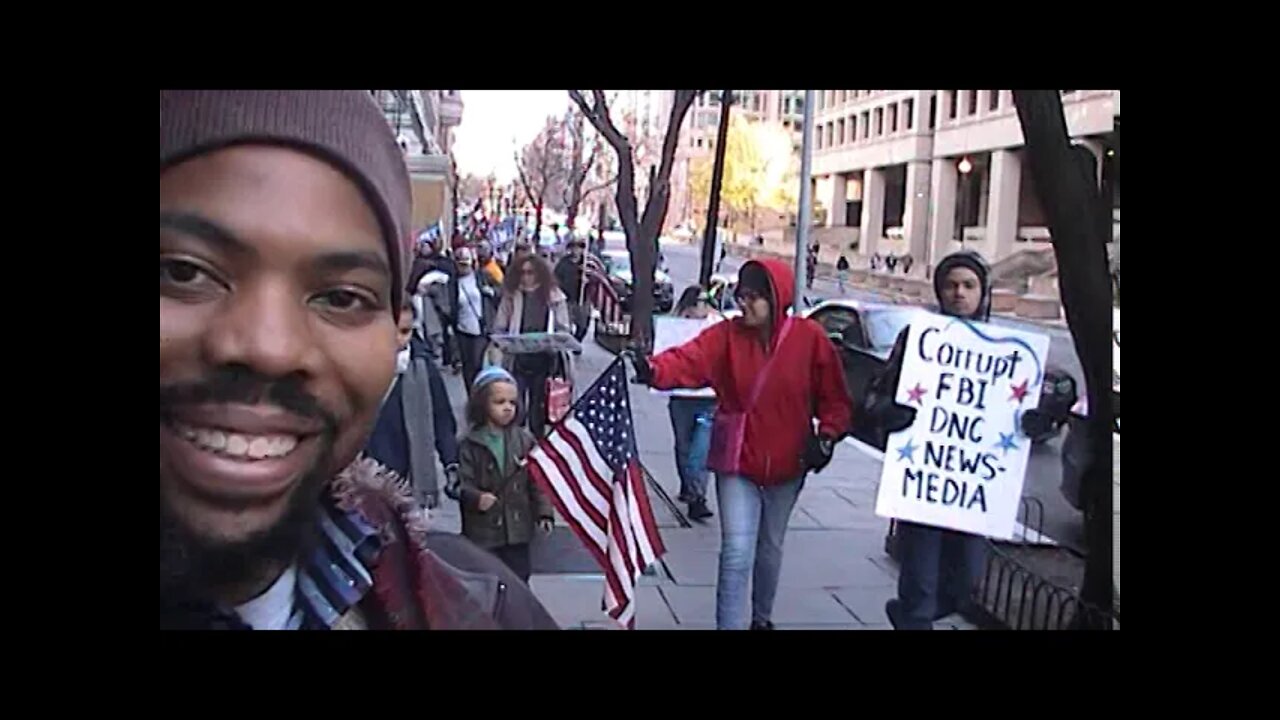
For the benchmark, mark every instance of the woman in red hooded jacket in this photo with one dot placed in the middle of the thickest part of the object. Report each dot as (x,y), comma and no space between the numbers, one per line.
(772,375)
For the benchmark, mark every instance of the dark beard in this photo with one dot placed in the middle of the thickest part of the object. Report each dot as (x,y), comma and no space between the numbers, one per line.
(196,572)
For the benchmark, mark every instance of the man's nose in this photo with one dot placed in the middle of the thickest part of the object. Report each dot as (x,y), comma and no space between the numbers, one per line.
(267,328)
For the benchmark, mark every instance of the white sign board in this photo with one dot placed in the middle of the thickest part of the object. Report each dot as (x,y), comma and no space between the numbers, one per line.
(669,332)
(535,342)
(961,463)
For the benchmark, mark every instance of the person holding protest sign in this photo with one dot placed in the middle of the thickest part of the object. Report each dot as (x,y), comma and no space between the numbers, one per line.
(772,373)
(691,419)
(939,567)
(531,303)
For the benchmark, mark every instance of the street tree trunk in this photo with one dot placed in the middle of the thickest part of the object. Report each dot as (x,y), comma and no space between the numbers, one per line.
(1080,227)
(642,230)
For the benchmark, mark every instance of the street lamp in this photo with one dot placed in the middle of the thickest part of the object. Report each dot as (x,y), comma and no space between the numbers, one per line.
(965,167)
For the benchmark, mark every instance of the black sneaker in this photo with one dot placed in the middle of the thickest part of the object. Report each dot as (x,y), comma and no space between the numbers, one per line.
(761,625)
(698,510)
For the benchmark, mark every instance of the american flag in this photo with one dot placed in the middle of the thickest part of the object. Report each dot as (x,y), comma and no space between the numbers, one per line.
(599,290)
(587,465)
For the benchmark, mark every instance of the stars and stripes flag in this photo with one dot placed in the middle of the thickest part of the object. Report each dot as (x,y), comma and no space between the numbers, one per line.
(589,468)
(599,290)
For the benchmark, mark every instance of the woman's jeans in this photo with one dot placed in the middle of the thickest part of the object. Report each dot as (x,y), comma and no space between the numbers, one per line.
(939,569)
(753,523)
(691,424)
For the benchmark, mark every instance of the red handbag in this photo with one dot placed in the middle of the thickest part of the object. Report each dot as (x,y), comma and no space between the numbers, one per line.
(559,398)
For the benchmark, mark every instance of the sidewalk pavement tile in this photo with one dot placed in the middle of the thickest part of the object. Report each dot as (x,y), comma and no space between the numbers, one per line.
(866,604)
(809,606)
(571,599)
(693,567)
(692,604)
(833,558)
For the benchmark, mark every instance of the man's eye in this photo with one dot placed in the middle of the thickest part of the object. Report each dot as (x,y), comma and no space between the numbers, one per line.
(179,272)
(346,301)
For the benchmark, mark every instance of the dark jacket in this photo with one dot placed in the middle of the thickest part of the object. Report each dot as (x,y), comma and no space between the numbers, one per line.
(389,443)
(431,581)
(511,521)
(421,580)
(569,277)
(490,292)
(879,405)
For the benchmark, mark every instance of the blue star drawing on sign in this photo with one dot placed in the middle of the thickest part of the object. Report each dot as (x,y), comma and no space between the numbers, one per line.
(907,452)
(1006,443)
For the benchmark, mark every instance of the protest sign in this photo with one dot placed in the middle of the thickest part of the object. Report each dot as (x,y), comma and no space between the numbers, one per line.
(669,332)
(535,342)
(961,463)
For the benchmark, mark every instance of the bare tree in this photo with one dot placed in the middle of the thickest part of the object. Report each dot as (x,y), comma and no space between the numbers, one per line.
(1080,227)
(641,229)
(542,168)
(580,168)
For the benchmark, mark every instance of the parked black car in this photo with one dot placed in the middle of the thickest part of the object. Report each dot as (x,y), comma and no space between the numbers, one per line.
(864,334)
(617,264)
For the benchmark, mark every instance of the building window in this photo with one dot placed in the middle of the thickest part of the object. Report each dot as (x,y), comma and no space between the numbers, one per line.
(909,109)
(893,118)
(853,128)
(818,137)
(844,96)
(798,105)
(699,142)
(879,122)
(953,101)
(866,125)
(973,102)
(822,101)
(933,111)
(840,131)
(831,130)
(995,100)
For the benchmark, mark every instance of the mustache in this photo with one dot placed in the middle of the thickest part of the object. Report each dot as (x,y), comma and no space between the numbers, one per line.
(244,386)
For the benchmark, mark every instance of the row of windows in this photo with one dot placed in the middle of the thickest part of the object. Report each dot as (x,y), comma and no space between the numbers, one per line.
(835,98)
(887,120)
(965,103)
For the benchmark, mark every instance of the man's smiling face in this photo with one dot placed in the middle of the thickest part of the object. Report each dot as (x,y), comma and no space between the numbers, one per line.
(277,338)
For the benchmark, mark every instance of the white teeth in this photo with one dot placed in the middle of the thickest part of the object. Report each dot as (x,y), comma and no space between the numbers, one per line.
(212,439)
(259,446)
(237,445)
(255,447)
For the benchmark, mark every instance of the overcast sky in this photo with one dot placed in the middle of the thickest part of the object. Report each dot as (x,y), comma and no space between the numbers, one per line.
(492,118)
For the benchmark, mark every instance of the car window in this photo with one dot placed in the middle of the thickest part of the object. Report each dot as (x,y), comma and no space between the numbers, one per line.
(617,263)
(883,326)
(835,319)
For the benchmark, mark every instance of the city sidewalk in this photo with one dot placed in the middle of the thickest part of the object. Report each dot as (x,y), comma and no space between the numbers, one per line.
(835,574)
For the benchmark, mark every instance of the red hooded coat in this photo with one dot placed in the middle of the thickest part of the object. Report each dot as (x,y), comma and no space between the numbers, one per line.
(805,381)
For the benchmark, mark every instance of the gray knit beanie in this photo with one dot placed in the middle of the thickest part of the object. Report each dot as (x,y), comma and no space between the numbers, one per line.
(345,128)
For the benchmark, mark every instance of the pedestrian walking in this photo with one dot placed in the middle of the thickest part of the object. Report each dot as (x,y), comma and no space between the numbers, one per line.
(474,297)
(487,263)
(891,262)
(772,373)
(907,262)
(724,252)
(842,272)
(691,419)
(285,254)
(811,267)
(569,272)
(532,302)
(500,504)
(415,425)
(939,566)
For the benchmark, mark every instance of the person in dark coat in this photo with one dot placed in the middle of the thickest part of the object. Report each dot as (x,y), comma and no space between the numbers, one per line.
(939,566)
(417,418)
(569,277)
